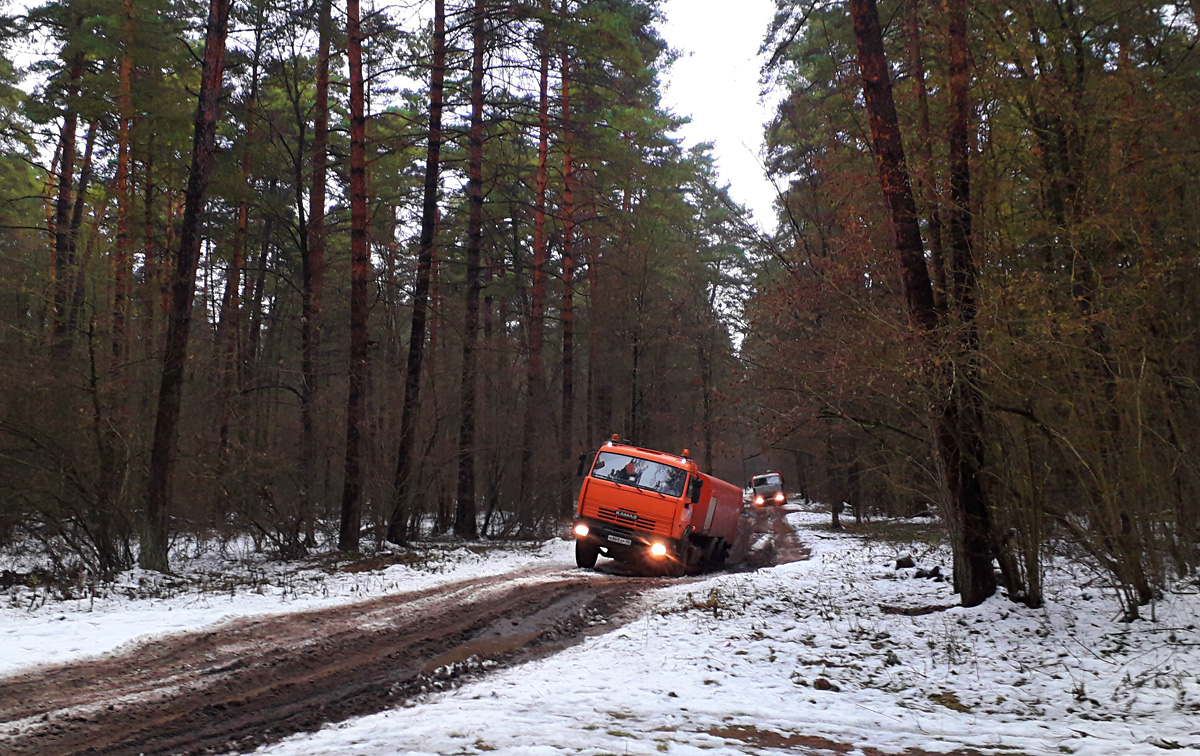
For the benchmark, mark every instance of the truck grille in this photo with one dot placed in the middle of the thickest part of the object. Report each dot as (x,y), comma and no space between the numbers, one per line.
(641,522)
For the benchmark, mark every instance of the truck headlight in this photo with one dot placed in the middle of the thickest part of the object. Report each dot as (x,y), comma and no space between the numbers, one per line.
(779,496)
(581,530)
(758,499)
(658,550)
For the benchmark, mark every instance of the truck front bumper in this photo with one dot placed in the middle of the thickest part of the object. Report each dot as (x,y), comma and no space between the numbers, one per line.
(624,543)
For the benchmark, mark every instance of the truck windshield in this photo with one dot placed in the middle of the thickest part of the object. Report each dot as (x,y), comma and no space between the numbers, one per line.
(768,480)
(643,473)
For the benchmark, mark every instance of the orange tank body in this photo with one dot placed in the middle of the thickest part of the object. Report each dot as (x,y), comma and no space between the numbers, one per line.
(651,507)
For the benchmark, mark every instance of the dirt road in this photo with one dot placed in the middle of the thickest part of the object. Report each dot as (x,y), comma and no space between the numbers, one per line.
(250,682)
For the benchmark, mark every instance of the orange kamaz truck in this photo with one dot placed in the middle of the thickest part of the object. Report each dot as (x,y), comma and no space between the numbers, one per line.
(655,510)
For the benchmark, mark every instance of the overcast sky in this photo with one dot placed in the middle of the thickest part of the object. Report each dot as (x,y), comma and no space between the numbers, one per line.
(716,84)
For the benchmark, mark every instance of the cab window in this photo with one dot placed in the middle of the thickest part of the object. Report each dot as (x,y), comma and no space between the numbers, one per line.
(642,473)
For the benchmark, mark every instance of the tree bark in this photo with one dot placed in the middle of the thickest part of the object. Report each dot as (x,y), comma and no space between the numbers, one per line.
(313,264)
(60,339)
(359,276)
(401,489)
(79,292)
(537,302)
(50,201)
(566,440)
(121,253)
(153,553)
(252,295)
(229,326)
(704,356)
(149,254)
(893,170)
(962,442)
(598,414)
(465,512)
(74,267)
(926,178)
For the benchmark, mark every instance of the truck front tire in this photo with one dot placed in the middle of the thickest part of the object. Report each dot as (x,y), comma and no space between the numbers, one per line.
(586,553)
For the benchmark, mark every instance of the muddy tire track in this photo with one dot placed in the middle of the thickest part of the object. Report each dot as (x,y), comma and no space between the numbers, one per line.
(250,682)
(765,539)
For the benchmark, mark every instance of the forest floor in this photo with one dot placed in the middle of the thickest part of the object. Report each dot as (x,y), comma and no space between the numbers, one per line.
(517,652)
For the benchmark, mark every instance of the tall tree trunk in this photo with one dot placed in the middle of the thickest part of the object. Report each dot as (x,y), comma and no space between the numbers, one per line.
(79,292)
(252,295)
(704,355)
(149,253)
(48,191)
(165,272)
(893,171)
(60,339)
(73,267)
(401,488)
(435,295)
(567,430)
(153,553)
(962,424)
(359,277)
(465,514)
(313,265)
(121,251)
(229,326)
(166,435)
(966,510)
(926,179)
(537,305)
(595,391)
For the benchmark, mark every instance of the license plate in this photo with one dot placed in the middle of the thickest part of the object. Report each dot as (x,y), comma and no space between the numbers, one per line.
(620,540)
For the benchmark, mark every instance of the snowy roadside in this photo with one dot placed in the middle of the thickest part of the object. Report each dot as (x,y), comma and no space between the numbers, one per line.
(215,588)
(816,654)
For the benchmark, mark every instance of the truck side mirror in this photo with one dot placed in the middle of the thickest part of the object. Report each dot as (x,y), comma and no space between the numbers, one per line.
(694,487)
(582,462)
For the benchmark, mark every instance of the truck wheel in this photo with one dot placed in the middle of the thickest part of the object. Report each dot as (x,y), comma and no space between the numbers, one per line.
(586,553)
(712,553)
(673,568)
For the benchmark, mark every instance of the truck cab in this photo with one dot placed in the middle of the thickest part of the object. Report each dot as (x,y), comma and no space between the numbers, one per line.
(655,509)
(767,488)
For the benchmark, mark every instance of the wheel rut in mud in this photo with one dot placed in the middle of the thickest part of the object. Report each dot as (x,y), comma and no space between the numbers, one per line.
(240,685)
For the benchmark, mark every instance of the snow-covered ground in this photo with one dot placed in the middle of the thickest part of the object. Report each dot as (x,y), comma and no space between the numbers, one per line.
(815,654)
